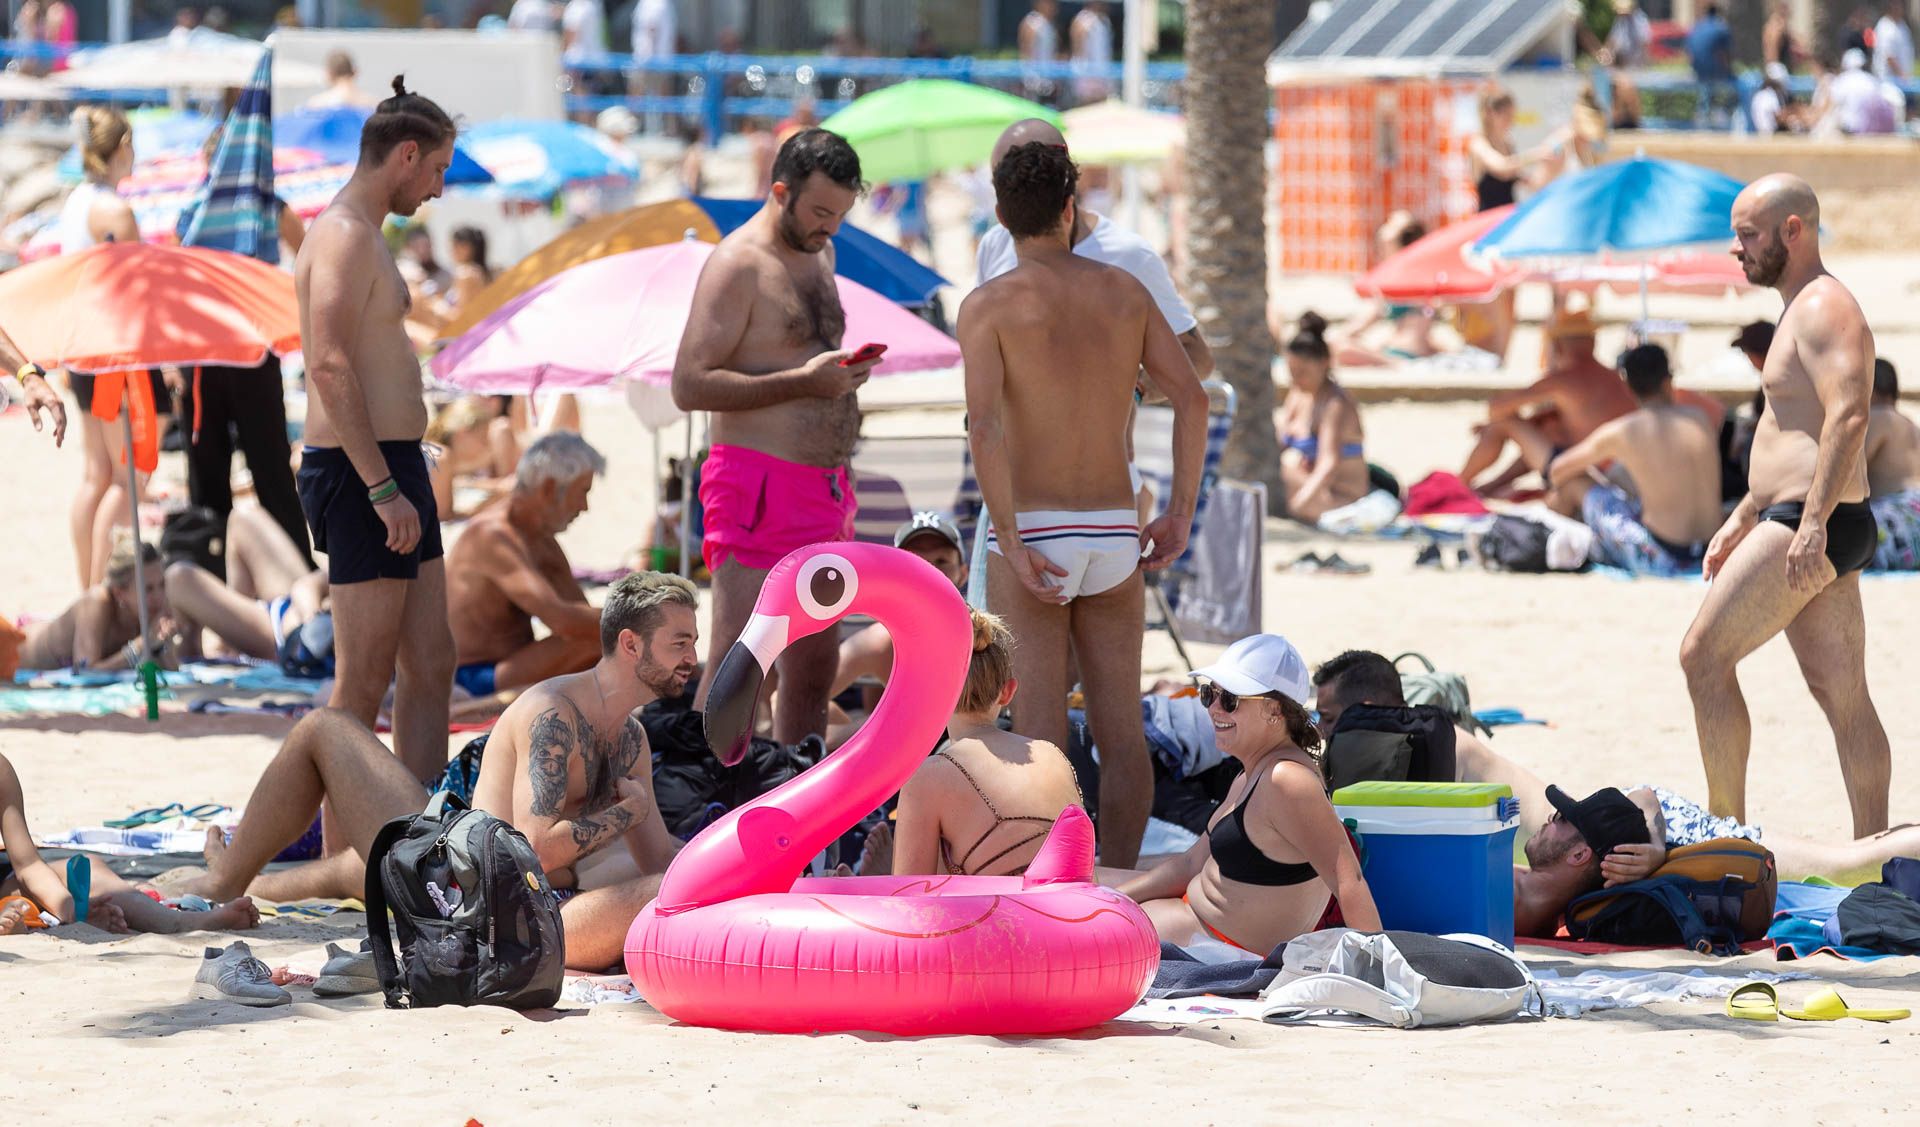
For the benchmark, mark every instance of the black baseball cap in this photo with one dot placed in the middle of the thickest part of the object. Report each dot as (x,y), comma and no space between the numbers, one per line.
(1755,336)
(1604,819)
(925,522)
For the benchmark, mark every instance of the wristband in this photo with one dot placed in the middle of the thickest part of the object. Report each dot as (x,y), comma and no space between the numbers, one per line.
(384,492)
(29,369)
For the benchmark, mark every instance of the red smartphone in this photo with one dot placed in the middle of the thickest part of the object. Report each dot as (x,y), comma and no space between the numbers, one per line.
(863,354)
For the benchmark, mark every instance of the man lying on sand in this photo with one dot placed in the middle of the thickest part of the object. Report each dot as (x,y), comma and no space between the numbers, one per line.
(269,593)
(100,630)
(1576,395)
(1672,819)
(508,569)
(1893,474)
(114,905)
(567,765)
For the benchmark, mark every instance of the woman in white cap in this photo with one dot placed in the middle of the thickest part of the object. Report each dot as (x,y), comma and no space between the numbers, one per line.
(1275,853)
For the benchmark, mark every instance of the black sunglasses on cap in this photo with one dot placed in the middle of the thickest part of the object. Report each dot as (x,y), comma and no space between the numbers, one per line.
(1228,701)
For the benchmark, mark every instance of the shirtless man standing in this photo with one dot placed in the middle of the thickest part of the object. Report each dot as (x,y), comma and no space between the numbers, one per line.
(363,477)
(1052,350)
(762,353)
(1789,557)
(1893,474)
(1672,455)
(567,765)
(508,569)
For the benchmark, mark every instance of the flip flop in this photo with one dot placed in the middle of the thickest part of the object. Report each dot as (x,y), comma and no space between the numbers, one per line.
(80,885)
(1828,1005)
(1755,1001)
(145,817)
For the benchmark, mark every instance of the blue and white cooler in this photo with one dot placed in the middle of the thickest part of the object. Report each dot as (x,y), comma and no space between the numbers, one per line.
(1438,857)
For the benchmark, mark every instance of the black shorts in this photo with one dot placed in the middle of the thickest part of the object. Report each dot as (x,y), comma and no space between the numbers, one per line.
(1852,533)
(344,523)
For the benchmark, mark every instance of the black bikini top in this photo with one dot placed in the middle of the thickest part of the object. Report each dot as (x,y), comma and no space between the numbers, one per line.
(1241,860)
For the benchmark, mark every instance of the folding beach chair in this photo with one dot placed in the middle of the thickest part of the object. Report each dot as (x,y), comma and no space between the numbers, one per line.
(1213,591)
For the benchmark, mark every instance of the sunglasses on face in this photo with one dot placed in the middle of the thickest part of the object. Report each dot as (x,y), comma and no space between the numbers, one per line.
(1228,701)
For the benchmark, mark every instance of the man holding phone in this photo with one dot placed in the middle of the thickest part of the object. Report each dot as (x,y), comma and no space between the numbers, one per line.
(762,352)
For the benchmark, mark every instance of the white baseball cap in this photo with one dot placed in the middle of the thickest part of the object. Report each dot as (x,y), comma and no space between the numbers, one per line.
(1263,663)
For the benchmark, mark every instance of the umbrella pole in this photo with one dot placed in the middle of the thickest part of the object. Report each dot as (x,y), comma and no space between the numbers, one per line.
(148,671)
(686,506)
(1645,269)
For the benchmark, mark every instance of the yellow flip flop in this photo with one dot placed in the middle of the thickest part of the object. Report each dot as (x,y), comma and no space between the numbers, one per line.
(1828,1005)
(1755,1001)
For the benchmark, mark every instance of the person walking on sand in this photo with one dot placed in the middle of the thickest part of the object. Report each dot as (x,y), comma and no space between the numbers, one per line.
(1790,555)
(363,476)
(762,353)
(1052,350)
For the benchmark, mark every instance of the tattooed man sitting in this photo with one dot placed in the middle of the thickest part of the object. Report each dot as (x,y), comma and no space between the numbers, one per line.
(567,765)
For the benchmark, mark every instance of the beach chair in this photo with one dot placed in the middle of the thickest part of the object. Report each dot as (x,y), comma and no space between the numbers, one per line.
(1213,591)
(896,476)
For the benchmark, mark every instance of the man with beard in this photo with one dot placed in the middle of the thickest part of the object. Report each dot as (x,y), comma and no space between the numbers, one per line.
(762,353)
(1790,555)
(1564,856)
(567,765)
(363,478)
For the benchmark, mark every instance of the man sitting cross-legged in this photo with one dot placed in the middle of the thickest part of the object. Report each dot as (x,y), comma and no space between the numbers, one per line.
(567,765)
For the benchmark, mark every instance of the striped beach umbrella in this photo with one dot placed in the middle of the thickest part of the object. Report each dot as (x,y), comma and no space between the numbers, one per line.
(237,210)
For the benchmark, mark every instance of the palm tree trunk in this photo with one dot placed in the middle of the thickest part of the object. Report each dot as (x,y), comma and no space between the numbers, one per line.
(1226,103)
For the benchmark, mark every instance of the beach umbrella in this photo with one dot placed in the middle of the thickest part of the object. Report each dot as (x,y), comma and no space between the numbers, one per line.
(200,60)
(1112,132)
(536,159)
(125,307)
(235,208)
(1434,270)
(873,262)
(621,317)
(17,87)
(334,133)
(914,129)
(1631,210)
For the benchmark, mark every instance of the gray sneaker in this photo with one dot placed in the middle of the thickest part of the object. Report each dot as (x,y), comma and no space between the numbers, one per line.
(234,975)
(348,972)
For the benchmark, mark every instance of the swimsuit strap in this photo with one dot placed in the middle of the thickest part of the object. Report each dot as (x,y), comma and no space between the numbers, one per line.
(968,775)
(962,867)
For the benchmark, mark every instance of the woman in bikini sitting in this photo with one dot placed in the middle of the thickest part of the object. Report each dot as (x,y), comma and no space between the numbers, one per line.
(1322,459)
(1275,852)
(981,804)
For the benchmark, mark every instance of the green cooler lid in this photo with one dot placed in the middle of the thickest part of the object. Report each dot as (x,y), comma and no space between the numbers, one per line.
(1379,792)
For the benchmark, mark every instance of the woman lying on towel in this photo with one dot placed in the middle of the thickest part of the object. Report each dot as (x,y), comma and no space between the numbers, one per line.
(1275,852)
(984,801)
(100,631)
(31,890)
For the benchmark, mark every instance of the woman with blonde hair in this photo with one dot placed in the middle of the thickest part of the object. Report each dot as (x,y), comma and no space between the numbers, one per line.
(1497,167)
(982,803)
(93,214)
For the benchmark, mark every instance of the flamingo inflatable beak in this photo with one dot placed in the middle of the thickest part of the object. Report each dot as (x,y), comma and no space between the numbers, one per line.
(734,698)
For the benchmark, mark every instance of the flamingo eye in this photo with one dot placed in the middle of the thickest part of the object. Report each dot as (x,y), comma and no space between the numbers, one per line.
(826,586)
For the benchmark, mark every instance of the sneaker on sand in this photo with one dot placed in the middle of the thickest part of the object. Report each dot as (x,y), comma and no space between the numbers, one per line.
(348,972)
(234,975)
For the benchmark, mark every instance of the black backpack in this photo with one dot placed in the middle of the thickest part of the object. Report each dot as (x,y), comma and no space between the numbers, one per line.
(1394,744)
(1516,544)
(1708,897)
(477,922)
(197,535)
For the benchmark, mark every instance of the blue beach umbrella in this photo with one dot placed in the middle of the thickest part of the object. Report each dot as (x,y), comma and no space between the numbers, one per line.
(858,256)
(536,159)
(236,210)
(334,133)
(1629,207)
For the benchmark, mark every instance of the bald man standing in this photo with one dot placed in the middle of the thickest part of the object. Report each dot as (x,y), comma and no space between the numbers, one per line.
(1789,558)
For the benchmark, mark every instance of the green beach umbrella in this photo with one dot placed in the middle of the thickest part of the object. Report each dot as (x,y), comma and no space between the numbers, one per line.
(915,129)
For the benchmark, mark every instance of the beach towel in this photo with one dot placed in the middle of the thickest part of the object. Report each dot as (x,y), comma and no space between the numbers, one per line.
(1442,493)
(1795,937)
(1575,995)
(1183,976)
(1179,733)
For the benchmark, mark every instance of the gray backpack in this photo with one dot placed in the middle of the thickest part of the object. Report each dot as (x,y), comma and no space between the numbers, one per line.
(1403,979)
(476,921)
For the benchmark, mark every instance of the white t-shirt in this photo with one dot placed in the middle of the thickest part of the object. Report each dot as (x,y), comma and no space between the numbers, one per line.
(1892,44)
(534,15)
(1765,109)
(1045,46)
(1112,244)
(1096,38)
(653,32)
(585,23)
(1859,103)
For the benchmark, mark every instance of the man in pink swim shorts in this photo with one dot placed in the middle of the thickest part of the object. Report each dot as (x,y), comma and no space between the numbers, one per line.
(762,352)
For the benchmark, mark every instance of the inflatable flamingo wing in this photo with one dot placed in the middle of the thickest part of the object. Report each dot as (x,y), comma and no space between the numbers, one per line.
(736,939)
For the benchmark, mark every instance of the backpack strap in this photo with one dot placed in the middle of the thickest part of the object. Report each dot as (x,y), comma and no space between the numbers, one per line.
(1695,933)
(437,806)
(1420,657)
(375,894)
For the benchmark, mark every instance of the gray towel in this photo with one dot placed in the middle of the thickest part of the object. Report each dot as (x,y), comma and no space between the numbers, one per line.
(1183,976)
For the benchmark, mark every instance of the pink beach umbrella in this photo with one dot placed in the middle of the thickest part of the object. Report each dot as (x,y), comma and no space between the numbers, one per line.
(620,317)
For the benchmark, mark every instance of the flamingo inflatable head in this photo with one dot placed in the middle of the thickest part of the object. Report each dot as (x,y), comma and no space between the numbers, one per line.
(737,938)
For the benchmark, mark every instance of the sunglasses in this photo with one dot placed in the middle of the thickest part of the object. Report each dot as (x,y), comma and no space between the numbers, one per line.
(1210,693)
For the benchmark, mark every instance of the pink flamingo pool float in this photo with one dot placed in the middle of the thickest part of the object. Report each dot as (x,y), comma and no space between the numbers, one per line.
(737,940)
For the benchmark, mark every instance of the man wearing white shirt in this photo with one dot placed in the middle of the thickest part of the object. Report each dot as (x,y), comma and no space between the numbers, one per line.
(534,15)
(1092,37)
(1893,43)
(1857,99)
(653,38)
(583,31)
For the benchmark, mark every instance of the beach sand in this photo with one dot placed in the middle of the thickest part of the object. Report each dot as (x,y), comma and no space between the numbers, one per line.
(99,1028)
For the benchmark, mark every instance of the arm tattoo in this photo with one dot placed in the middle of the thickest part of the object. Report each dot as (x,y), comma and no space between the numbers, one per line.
(590,832)
(549,744)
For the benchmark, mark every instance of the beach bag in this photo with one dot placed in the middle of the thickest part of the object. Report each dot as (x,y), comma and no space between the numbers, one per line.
(308,651)
(1445,691)
(1405,979)
(196,535)
(1710,897)
(1391,744)
(475,920)
(1516,544)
